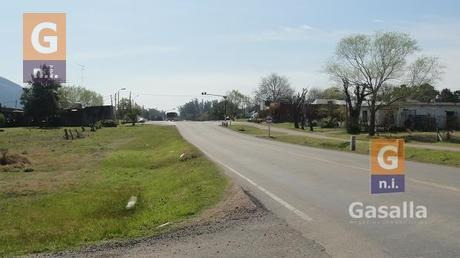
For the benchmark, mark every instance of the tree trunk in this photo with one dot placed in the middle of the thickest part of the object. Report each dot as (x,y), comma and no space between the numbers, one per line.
(302,117)
(372,119)
(296,118)
(310,117)
(354,121)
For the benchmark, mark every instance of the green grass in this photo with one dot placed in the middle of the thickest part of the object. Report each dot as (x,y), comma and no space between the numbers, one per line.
(252,130)
(78,190)
(440,157)
(414,137)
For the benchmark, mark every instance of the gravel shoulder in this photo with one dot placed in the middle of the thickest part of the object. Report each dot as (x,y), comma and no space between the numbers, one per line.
(239,226)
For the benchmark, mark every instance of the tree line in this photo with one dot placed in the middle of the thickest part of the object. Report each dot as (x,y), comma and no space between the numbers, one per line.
(377,69)
(45,98)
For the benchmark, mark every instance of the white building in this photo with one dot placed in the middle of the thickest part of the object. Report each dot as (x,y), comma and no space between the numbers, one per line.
(416,115)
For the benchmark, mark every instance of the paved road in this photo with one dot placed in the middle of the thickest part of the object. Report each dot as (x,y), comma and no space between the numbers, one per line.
(312,189)
(322,136)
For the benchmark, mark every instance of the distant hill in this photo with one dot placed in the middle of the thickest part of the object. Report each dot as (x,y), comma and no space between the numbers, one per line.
(10,92)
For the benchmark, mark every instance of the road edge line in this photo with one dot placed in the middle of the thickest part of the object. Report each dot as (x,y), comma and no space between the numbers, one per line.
(288,206)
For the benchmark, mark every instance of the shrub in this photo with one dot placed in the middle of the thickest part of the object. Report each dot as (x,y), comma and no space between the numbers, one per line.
(328,122)
(98,125)
(109,123)
(2,120)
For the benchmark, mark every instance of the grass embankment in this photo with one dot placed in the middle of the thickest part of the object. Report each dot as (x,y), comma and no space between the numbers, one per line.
(440,157)
(78,189)
(413,137)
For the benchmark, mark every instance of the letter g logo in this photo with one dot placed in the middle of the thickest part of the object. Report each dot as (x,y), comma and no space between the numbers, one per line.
(51,40)
(393,160)
(44,36)
(387,156)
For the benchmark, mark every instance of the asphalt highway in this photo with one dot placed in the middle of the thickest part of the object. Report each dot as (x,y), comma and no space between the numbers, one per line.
(312,190)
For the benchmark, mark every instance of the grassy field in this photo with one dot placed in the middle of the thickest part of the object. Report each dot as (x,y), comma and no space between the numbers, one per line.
(416,154)
(78,190)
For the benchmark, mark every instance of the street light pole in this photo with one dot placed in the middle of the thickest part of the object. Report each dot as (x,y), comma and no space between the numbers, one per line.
(225,102)
(117,104)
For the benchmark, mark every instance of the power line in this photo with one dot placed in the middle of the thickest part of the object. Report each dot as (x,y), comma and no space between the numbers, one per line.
(167,95)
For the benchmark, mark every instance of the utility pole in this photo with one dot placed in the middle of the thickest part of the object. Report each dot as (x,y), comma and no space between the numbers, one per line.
(82,69)
(225,102)
(111,100)
(117,105)
(130,105)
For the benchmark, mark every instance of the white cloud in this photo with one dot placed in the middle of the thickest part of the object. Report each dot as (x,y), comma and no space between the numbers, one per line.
(378,21)
(290,33)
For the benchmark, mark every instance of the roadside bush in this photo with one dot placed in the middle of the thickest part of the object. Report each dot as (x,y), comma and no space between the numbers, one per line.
(2,120)
(98,125)
(329,122)
(109,123)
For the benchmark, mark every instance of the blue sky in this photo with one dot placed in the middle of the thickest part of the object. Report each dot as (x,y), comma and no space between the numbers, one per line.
(167,52)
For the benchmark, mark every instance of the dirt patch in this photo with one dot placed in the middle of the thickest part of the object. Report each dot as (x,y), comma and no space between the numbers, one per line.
(187,155)
(236,204)
(7,158)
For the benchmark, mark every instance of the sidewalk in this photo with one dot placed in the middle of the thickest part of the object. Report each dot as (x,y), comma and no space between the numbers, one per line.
(322,136)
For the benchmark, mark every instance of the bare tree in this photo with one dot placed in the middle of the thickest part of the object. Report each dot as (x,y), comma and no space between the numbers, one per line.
(299,108)
(372,65)
(425,70)
(354,91)
(274,88)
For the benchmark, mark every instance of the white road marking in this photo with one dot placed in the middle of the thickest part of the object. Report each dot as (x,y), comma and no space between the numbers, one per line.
(288,206)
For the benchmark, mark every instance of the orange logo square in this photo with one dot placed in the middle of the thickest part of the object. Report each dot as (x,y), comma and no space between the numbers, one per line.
(387,156)
(44,36)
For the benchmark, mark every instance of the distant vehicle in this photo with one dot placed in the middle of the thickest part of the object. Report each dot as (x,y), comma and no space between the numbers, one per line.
(172,116)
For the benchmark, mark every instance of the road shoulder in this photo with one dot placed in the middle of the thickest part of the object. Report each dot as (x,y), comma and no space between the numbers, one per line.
(237,226)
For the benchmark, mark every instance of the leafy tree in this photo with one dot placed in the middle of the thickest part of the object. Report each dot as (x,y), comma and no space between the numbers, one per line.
(122,108)
(215,109)
(69,95)
(328,93)
(2,120)
(424,93)
(368,66)
(446,95)
(274,88)
(133,113)
(41,99)
(152,114)
(333,93)
(192,110)
(315,93)
(457,95)
(237,103)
